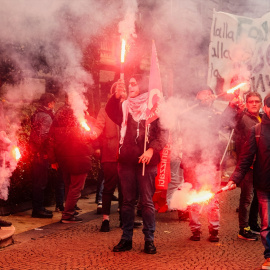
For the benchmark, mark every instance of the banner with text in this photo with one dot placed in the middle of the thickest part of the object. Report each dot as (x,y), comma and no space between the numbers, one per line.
(239,51)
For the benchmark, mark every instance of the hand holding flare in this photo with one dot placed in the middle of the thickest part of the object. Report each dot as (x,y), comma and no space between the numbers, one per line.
(120,91)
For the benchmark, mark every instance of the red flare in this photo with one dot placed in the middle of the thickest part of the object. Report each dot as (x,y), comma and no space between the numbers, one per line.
(85,126)
(16,153)
(231,91)
(201,197)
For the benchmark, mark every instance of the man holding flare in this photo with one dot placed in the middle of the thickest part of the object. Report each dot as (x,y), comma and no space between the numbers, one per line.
(258,146)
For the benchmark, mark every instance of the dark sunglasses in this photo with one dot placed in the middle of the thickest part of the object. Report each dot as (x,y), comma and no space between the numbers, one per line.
(133,84)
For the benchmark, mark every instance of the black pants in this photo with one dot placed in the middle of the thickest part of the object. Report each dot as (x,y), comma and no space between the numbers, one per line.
(111,180)
(40,168)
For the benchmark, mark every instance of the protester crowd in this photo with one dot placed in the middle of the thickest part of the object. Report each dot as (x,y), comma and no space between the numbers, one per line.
(129,152)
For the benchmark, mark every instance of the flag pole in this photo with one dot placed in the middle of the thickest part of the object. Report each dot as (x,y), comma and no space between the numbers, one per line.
(227,146)
(144,148)
(154,89)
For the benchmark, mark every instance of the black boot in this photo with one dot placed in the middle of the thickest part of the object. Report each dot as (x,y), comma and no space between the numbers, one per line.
(149,247)
(123,245)
(213,235)
(196,235)
(41,214)
(105,226)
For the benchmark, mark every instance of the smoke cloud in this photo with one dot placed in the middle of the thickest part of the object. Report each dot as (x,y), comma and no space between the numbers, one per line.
(48,38)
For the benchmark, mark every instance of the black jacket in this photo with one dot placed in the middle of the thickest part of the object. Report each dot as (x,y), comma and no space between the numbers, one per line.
(261,167)
(109,133)
(41,122)
(69,144)
(242,124)
(133,145)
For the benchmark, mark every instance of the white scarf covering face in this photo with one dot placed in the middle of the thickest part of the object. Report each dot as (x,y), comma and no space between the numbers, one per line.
(137,108)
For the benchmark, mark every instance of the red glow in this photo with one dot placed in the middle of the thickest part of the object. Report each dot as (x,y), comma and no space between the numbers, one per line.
(16,153)
(231,91)
(200,197)
(85,126)
(123,51)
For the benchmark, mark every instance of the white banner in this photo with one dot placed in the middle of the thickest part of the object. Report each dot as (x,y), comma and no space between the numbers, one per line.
(239,51)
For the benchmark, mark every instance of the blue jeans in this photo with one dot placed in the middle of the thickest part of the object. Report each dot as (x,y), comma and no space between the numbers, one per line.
(264,211)
(248,216)
(131,178)
(100,186)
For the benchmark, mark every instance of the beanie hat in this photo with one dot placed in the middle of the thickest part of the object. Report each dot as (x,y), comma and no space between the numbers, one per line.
(46,98)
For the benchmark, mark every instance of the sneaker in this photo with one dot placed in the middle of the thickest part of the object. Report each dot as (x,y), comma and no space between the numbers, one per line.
(246,234)
(99,208)
(137,223)
(213,235)
(255,229)
(266,264)
(196,235)
(71,220)
(105,226)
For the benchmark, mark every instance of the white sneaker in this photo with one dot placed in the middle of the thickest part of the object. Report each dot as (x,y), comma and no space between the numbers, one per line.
(266,264)
(99,208)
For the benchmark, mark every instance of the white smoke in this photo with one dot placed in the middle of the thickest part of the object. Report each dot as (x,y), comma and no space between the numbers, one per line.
(127,25)
(48,39)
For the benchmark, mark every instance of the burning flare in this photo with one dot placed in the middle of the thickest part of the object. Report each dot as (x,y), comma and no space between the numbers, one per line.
(16,153)
(231,91)
(123,51)
(200,197)
(85,126)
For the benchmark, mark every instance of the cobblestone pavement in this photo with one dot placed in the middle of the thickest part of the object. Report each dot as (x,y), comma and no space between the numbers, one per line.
(82,246)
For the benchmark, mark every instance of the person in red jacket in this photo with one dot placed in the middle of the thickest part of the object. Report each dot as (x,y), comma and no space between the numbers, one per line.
(70,148)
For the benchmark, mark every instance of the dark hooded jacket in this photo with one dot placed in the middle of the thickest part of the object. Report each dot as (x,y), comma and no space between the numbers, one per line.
(242,123)
(69,143)
(133,144)
(41,122)
(260,148)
